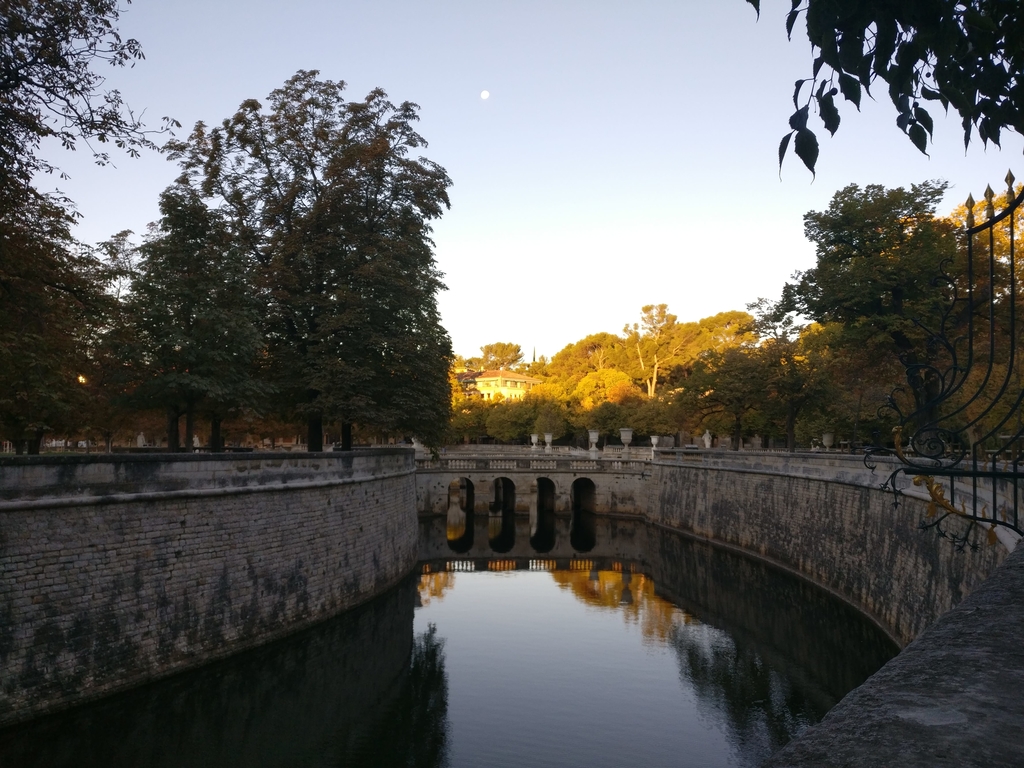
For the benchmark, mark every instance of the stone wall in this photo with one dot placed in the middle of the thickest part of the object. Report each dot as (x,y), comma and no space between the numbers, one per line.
(117,570)
(845,537)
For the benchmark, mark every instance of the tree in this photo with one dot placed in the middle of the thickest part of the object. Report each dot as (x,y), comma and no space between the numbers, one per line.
(879,252)
(323,195)
(501,355)
(194,316)
(964,54)
(48,87)
(591,353)
(50,300)
(723,388)
(653,344)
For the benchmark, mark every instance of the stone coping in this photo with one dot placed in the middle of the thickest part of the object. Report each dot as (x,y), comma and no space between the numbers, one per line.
(954,697)
(58,481)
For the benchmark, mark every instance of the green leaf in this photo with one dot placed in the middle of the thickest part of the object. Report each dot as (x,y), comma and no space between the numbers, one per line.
(850,88)
(919,136)
(757,6)
(783,146)
(798,120)
(806,147)
(829,113)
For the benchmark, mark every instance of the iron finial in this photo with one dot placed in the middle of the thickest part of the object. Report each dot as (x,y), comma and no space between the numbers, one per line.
(1010,194)
(990,209)
(970,210)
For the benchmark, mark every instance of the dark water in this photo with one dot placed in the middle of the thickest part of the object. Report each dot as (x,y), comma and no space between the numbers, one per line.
(648,650)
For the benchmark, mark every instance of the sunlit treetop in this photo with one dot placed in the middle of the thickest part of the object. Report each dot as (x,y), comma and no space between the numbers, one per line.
(965,55)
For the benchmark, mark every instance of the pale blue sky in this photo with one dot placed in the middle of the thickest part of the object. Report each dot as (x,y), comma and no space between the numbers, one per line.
(626,156)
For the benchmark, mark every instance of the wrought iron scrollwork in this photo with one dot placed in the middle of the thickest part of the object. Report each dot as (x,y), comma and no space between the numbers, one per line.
(961,436)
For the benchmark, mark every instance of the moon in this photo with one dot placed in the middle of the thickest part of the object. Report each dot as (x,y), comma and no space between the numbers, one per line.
(485,95)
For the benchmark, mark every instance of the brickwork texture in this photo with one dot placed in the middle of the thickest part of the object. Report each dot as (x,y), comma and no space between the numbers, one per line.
(104,591)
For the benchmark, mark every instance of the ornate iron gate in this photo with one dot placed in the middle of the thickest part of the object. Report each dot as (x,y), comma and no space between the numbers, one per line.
(962,437)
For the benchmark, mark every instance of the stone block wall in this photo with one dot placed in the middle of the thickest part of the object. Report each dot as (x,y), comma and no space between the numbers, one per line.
(115,571)
(845,537)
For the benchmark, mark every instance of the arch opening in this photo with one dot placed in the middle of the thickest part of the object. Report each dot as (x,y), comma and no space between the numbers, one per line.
(501,523)
(460,515)
(542,535)
(583,526)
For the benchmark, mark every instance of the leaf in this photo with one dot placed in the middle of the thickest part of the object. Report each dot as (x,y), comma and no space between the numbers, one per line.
(919,136)
(790,21)
(757,6)
(798,120)
(922,116)
(796,93)
(806,147)
(783,146)
(829,113)
(850,88)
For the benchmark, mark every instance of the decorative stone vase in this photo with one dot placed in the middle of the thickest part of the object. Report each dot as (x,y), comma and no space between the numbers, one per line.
(548,437)
(534,439)
(594,435)
(827,440)
(626,435)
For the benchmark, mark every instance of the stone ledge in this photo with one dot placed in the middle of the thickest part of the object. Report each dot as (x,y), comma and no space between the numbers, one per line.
(954,697)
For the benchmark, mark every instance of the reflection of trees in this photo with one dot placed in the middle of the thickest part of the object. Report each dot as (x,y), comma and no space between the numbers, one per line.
(632,594)
(762,708)
(413,731)
(432,586)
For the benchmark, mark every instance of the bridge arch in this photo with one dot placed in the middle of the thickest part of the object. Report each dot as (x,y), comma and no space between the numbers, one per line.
(542,526)
(582,527)
(460,515)
(501,522)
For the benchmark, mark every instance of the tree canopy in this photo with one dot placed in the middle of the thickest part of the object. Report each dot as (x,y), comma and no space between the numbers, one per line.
(49,86)
(967,55)
(323,195)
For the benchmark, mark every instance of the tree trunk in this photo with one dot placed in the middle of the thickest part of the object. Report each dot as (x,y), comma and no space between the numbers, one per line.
(35,442)
(346,436)
(19,447)
(173,443)
(791,429)
(737,434)
(315,433)
(216,441)
(190,427)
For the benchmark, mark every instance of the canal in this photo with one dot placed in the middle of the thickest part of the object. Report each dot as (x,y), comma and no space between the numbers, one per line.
(649,649)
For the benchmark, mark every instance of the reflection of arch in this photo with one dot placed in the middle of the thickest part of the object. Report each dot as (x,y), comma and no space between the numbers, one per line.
(460,515)
(582,529)
(501,524)
(542,537)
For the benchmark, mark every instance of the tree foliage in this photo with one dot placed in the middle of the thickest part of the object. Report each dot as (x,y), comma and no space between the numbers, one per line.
(194,319)
(964,54)
(49,86)
(324,196)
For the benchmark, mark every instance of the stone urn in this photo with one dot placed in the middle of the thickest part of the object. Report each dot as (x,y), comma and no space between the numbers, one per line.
(593,434)
(626,435)
(534,439)
(827,440)
(548,438)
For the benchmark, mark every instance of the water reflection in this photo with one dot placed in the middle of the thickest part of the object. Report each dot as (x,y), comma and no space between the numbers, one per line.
(717,660)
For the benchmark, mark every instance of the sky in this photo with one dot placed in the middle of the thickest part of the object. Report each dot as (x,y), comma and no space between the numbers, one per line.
(626,155)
